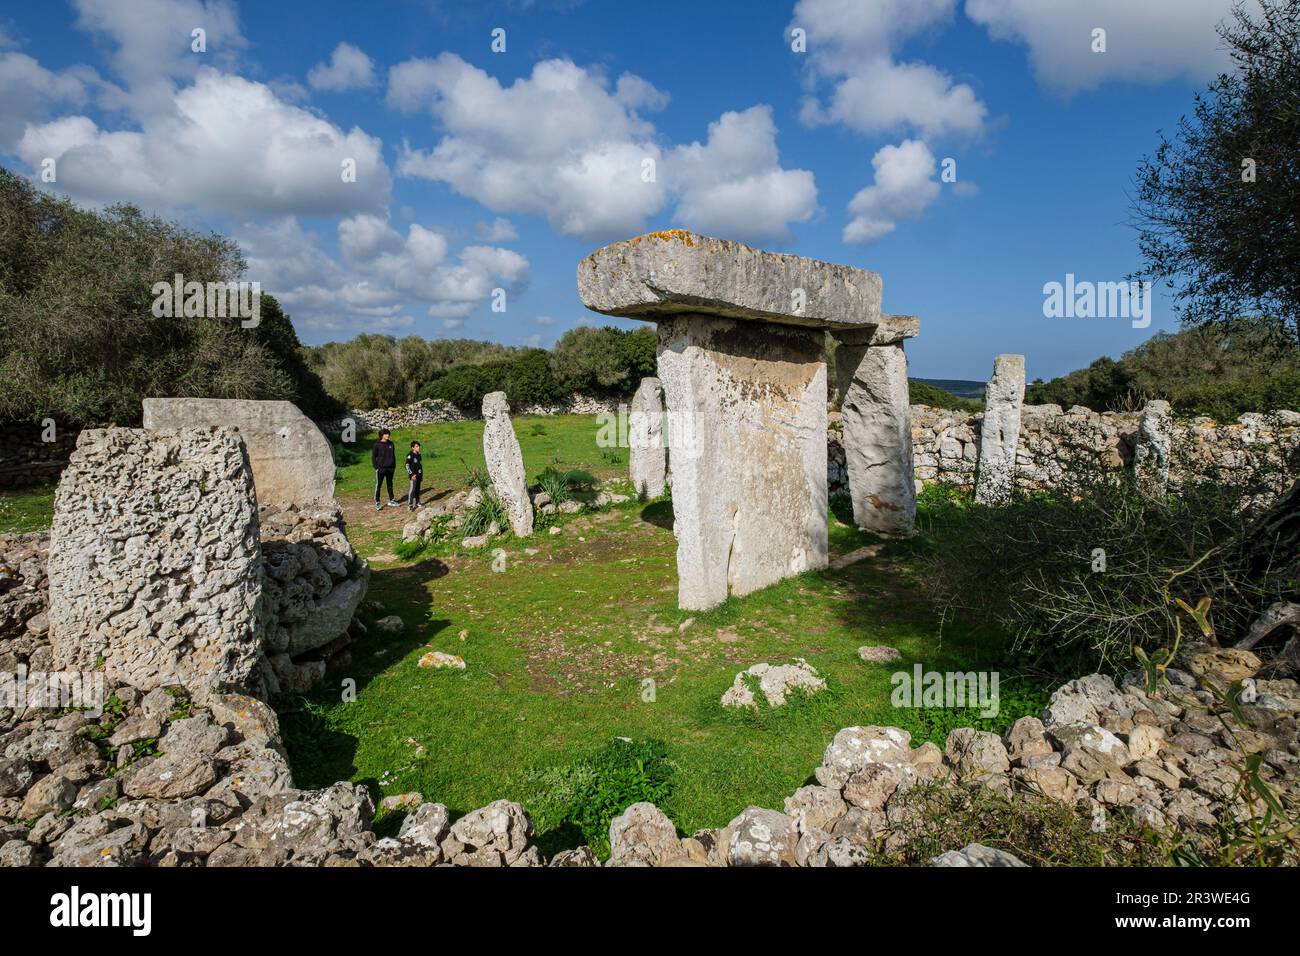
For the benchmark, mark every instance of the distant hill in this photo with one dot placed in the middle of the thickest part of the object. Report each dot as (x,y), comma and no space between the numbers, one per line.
(962,388)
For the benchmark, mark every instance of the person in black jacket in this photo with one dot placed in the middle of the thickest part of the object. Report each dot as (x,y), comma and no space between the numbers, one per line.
(383,458)
(415,473)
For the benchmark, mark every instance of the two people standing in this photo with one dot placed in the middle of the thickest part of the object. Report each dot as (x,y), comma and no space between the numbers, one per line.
(383,458)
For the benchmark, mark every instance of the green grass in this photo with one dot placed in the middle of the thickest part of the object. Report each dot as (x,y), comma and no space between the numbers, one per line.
(560,645)
(26,509)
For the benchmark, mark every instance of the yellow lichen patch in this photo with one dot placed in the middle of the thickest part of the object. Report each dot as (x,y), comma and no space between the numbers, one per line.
(667,235)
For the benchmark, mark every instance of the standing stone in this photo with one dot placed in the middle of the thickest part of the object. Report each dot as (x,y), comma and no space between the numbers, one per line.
(747,423)
(291,459)
(505,463)
(154,565)
(647,453)
(871,372)
(1004,396)
(1151,454)
(741,361)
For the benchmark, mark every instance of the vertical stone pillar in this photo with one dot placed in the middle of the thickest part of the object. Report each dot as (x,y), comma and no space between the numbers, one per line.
(871,372)
(505,463)
(1004,397)
(1152,451)
(647,450)
(747,417)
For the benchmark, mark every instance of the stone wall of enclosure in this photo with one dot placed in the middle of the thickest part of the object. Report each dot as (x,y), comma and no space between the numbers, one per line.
(1055,442)
(433,411)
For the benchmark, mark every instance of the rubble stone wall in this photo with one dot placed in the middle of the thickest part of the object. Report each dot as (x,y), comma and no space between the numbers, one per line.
(1055,443)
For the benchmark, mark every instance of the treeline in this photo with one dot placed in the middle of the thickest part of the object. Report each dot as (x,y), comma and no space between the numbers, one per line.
(79,342)
(1219,370)
(373,371)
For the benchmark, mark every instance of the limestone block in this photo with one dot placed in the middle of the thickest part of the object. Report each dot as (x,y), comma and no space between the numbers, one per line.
(747,423)
(1151,452)
(877,436)
(505,463)
(647,451)
(291,459)
(154,564)
(1004,397)
(672,272)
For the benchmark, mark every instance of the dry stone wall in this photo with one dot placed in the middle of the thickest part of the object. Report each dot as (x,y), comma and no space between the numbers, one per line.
(1055,443)
(432,411)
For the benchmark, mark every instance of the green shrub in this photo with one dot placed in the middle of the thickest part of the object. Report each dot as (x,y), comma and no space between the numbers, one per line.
(574,804)
(1078,576)
(479,518)
(553,482)
(406,550)
(922,393)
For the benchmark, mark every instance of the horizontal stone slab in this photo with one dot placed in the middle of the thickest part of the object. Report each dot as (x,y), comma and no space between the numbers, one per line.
(891,330)
(291,459)
(669,273)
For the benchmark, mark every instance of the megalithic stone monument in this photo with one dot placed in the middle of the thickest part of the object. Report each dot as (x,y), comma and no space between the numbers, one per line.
(741,360)
(647,450)
(1004,397)
(871,372)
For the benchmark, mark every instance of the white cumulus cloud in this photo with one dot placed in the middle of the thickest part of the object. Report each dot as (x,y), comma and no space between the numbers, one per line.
(223,145)
(904,186)
(1147,42)
(852,48)
(734,186)
(562,144)
(349,68)
(381,275)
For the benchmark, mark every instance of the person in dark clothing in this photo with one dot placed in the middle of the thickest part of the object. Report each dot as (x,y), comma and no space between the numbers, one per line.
(415,473)
(383,458)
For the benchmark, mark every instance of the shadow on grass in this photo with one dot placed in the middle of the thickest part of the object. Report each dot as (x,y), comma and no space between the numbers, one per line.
(321,749)
(659,514)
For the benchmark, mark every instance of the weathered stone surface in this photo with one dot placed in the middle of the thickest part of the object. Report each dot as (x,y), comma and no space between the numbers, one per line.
(891,330)
(855,747)
(877,417)
(774,683)
(647,448)
(496,835)
(427,826)
(871,787)
(747,419)
(671,272)
(879,654)
(642,835)
(313,580)
(761,837)
(1027,738)
(977,854)
(505,463)
(1224,665)
(1151,452)
(815,808)
(974,753)
(291,459)
(1004,397)
(155,568)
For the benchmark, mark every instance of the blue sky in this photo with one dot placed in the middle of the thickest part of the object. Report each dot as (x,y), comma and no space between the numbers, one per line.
(479,170)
